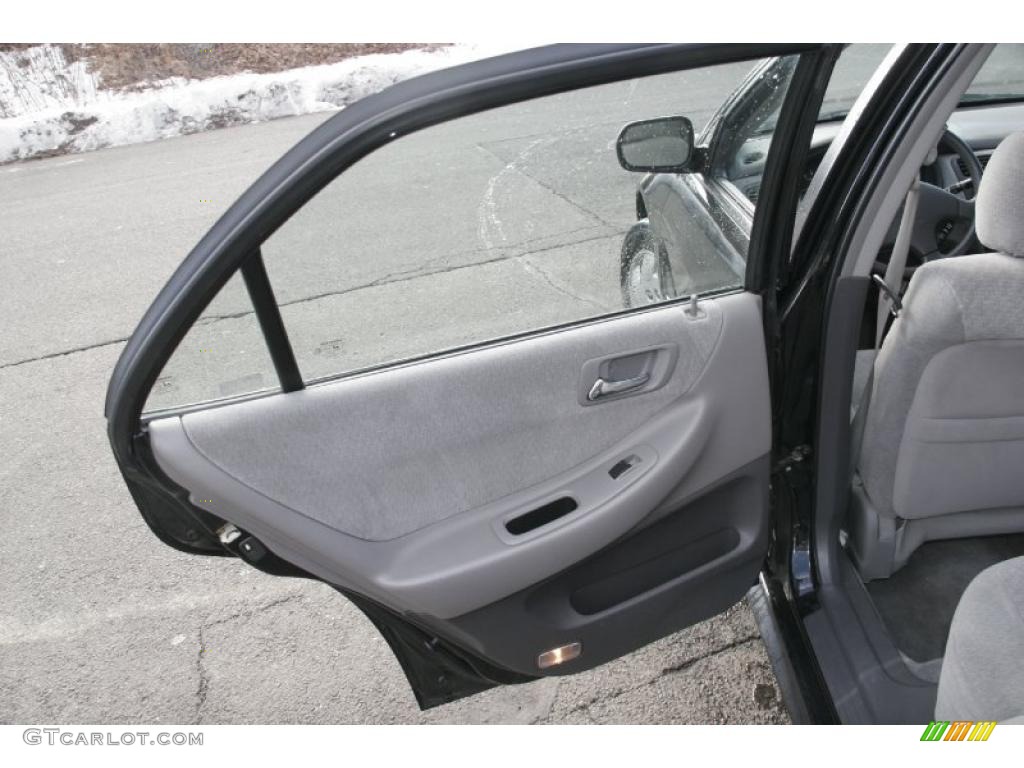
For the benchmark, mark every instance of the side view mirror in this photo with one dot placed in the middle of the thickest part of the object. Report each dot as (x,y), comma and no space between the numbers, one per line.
(661,145)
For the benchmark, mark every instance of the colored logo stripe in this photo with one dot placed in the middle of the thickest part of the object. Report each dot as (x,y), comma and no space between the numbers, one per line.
(958,730)
(982,730)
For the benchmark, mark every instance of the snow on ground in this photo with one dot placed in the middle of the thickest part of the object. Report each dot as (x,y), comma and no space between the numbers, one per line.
(62,110)
(36,78)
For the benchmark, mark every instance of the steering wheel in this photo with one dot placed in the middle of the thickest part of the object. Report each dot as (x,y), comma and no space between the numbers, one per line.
(944,225)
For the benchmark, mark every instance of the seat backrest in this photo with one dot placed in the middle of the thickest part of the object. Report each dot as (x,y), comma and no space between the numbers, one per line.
(944,431)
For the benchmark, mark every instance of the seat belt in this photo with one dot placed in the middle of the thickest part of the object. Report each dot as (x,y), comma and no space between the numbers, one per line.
(888,304)
(888,299)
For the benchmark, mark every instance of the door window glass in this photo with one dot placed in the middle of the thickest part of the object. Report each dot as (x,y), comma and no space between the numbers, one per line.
(223,355)
(506,222)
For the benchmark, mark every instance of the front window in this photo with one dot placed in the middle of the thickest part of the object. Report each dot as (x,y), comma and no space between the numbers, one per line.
(1000,79)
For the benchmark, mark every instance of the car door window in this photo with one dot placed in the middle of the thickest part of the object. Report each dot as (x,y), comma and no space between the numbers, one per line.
(223,355)
(494,225)
(507,222)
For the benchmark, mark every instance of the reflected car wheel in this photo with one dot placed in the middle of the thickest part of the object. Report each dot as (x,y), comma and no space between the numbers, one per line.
(644,274)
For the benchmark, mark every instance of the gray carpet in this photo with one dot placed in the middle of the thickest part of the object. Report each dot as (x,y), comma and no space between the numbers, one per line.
(917,602)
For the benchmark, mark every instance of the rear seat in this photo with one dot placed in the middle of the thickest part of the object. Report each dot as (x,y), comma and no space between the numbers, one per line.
(983,669)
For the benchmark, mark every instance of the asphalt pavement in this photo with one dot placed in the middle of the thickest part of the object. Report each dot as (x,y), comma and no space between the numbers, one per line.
(99,621)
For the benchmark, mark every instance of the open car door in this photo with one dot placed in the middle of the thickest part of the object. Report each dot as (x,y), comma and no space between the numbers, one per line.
(400,363)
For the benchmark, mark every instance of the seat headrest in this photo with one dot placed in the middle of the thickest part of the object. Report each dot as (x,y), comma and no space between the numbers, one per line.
(999,213)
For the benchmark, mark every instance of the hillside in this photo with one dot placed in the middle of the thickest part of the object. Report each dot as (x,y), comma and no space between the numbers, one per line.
(60,99)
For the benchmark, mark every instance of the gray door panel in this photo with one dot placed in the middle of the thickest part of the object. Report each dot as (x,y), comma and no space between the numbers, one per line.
(412,485)
(695,559)
(386,454)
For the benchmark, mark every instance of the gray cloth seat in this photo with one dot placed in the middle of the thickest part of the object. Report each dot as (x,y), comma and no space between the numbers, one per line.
(982,674)
(943,442)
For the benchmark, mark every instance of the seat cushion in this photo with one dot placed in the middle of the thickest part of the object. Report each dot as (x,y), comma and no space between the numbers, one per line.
(983,670)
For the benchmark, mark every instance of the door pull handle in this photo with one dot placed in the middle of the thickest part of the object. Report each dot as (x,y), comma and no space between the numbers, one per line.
(604,388)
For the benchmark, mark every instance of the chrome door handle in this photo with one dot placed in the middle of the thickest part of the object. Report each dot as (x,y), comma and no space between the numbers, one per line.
(604,388)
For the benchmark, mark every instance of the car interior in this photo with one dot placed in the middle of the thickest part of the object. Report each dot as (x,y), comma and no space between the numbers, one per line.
(936,491)
(935,521)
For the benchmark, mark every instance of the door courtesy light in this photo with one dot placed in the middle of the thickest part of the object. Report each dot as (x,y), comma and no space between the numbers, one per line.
(557,656)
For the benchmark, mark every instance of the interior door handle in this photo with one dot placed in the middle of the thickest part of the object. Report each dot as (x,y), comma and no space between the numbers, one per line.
(604,388)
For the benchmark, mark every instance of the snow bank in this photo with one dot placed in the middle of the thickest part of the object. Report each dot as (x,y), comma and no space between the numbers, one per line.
(65,111)
(38,78)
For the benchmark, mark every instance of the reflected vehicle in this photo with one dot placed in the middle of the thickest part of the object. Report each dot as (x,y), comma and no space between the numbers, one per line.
(694,221)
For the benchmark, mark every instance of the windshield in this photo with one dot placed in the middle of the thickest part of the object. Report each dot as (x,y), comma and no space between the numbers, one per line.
(1001,78)
(849,76)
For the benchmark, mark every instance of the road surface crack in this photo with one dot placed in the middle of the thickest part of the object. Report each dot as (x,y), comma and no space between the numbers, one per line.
(514,165)
(72,351)
(517,251)
(204,680)
(684,665)
(536,269)
(203,687)
(402,276)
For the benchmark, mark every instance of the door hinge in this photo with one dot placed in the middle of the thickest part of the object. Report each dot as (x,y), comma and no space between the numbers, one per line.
(794,457)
